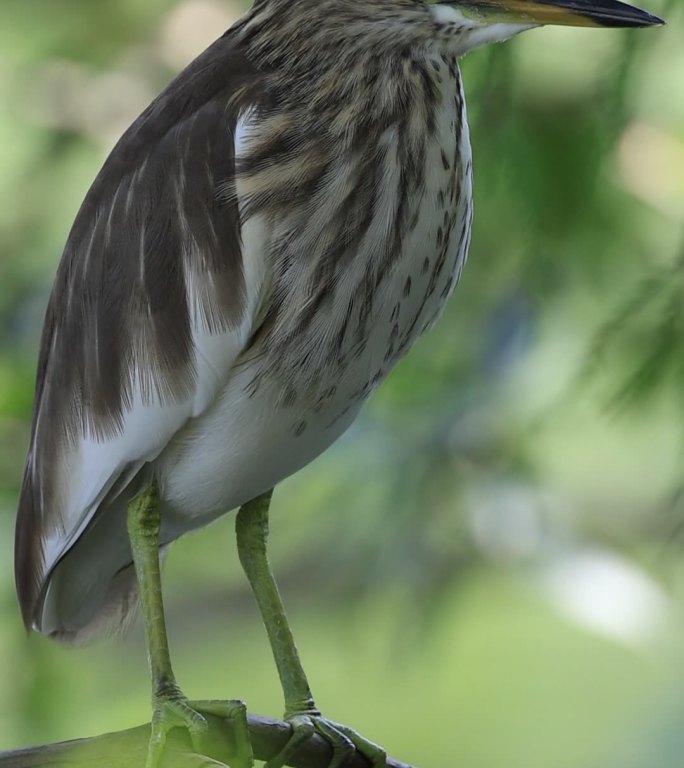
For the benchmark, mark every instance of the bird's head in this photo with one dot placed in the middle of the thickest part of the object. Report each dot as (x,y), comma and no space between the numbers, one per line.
(478,22)
(306,34)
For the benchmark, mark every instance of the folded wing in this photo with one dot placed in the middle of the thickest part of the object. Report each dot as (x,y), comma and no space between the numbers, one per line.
(149,310)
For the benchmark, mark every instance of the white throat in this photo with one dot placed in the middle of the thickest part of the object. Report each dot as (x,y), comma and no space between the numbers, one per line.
(462,34)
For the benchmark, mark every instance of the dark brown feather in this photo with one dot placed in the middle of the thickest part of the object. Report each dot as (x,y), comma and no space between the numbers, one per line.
(161,209)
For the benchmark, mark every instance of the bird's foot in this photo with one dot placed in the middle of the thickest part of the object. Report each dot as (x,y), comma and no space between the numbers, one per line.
(239,749)
(344,741)
(172,710)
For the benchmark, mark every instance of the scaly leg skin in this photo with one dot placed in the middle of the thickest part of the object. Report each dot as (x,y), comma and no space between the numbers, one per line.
(170,707)
(300,710)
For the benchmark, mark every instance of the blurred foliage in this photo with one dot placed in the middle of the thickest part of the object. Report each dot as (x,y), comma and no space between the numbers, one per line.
(487,570)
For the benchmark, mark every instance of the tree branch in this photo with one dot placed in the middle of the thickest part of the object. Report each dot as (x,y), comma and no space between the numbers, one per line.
(128,749)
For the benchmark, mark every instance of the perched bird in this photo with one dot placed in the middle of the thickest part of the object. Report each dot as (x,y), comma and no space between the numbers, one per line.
(261,247)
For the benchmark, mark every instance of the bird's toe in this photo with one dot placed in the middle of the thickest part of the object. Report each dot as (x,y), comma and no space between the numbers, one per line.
(173,711)
(343,741)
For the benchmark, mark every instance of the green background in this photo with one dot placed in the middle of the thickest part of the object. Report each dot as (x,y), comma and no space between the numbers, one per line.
(487,570)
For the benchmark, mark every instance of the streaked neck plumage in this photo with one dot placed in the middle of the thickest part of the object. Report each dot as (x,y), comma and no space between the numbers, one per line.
(355,58)
(307,37)
(358,166)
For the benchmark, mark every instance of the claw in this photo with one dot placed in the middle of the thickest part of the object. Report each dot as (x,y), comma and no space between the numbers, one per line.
(342,739)
(373,752)
(342,745)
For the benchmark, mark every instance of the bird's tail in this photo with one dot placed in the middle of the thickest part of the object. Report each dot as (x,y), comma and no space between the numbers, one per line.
(92,590)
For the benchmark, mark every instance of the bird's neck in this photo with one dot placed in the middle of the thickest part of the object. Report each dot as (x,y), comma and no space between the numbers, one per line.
(309,37)
(356,69)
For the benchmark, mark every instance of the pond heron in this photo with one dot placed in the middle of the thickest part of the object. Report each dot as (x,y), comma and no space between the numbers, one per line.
(260,248)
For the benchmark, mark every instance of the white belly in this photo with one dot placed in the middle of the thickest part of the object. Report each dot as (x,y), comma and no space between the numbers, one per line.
(251,439)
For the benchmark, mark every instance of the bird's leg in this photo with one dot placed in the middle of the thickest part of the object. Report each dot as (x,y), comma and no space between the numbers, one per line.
(300,710)
(170,707)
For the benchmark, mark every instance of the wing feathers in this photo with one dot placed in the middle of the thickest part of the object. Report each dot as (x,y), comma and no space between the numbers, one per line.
(152,268)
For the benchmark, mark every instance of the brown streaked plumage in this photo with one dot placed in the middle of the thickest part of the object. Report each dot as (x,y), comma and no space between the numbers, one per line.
(159,230)
(260,248)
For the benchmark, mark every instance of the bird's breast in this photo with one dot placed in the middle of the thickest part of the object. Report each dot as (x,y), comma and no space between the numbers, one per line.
(365,264)
(355,272)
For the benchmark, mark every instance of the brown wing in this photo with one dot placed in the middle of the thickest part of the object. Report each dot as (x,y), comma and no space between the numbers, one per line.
(153,259)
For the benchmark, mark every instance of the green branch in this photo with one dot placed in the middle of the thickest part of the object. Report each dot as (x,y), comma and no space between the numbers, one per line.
(128,749)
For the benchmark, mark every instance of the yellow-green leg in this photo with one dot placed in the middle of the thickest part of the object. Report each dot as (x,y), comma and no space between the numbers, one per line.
(300,710)
(170,708)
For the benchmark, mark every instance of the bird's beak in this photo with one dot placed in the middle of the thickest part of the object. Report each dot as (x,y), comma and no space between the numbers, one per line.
(572,13)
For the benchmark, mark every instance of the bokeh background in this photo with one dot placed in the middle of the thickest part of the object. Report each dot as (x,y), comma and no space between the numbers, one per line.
(488,570)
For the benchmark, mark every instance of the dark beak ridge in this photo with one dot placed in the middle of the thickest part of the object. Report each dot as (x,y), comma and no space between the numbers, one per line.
(575,13)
